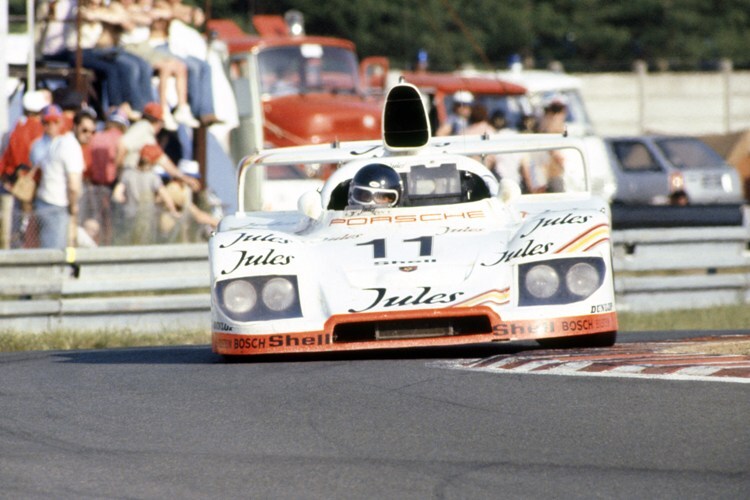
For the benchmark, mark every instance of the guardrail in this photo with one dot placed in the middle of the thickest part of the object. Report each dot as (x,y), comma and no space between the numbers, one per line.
(681,268)
(166,287)
(139,288)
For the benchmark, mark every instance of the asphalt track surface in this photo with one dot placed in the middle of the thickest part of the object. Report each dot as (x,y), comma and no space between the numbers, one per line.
(180,423)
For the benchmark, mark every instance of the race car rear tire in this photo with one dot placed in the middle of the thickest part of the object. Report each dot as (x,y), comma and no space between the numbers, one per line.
(606,339)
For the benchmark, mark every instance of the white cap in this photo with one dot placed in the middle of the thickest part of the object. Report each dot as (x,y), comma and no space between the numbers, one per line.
(463,97)
(189,167)
(35,100)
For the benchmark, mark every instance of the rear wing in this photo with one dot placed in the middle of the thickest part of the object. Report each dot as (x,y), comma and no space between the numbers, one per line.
(341,153)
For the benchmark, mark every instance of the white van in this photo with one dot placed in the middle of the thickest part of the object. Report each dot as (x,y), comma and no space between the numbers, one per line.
(541,87)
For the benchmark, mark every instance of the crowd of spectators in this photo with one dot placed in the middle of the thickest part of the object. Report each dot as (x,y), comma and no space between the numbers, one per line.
(555,171)
(99,182)
(126,43)
(95,164)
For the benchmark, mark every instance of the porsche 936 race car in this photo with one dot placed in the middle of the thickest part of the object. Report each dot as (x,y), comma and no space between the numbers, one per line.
(453,256)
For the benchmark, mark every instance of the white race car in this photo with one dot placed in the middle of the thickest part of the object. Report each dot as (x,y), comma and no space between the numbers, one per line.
(440,254)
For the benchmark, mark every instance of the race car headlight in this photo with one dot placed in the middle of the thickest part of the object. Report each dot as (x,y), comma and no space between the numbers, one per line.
(582,279)
(542,281)
(278,294)
(239,297)
(560,281)
(259,298)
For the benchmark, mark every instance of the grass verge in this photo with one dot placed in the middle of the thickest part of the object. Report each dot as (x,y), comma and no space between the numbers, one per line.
(71,340)
(720,318)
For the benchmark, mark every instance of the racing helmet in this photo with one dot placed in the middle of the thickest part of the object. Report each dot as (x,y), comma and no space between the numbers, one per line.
(375,186)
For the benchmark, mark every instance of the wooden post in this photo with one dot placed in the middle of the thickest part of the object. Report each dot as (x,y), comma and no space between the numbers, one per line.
(6,220)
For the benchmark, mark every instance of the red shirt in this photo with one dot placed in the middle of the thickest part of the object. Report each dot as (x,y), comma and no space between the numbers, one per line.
(103,149)
(27,130)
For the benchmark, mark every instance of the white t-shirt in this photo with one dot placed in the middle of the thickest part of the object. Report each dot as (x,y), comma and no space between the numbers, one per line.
(138,135)
(65,157)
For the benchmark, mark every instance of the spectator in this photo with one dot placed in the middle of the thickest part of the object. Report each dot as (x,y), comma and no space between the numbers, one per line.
(199,80)
(458,120)
(564,167)
(103,174)
(16,162)
(478,121)
(510,166)
(143,132)
(126,78)
(176,227)
(135,39)
(53,123)
(27,130)
(57,196)
(134,196)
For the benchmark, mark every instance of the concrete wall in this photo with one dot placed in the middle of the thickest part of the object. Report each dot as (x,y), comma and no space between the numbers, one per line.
(677,103)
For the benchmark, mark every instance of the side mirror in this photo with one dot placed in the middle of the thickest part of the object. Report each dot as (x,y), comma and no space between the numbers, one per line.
(509,190)
(311,204)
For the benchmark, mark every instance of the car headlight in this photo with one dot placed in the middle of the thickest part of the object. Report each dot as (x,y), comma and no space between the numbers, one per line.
(278,294)
(542,281)
(582,279)
(559,281)
(259,298)
(239,297)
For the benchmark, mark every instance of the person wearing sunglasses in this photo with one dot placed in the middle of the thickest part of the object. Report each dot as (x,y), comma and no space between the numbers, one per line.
(375,186)
(59,191)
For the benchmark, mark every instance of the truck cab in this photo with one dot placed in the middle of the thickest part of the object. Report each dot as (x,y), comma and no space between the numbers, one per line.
(308,86)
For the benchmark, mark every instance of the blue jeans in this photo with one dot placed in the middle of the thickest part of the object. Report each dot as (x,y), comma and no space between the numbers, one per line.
(127,77)
(53,224)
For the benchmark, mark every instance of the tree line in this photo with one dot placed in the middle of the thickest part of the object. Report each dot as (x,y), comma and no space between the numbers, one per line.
(583,35)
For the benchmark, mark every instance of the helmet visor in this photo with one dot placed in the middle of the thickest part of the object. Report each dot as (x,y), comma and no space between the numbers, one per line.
(367,196)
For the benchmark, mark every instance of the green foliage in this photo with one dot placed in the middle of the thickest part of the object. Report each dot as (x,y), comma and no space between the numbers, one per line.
(584,35)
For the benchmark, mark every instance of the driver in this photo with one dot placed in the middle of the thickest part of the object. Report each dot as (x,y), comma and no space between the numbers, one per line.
(375,186)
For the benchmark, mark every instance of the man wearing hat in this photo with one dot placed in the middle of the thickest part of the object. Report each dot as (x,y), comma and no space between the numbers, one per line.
(57,197)
(28,129)
(458,121)
(143,132)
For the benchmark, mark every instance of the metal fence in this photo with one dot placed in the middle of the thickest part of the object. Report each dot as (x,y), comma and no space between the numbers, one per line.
(166,287)
(102,223)
(154,288)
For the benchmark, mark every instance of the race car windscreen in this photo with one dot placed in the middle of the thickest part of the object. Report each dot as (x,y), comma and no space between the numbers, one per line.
(433,185)
(305,68)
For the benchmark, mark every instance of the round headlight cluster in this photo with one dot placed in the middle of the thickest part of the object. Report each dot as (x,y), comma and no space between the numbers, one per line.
(542,281)
(239,297)
(560,281)
(582,279)
(259,298)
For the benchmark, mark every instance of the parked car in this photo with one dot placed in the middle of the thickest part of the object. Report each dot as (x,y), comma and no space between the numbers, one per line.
(678,170)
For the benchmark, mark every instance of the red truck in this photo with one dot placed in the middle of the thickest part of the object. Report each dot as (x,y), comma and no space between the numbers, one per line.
(308,86)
